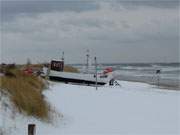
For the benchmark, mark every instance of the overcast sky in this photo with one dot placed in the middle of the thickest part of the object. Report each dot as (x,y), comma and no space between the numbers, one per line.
(115,31)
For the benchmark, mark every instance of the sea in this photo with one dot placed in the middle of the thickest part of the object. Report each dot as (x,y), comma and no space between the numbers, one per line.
(169,75)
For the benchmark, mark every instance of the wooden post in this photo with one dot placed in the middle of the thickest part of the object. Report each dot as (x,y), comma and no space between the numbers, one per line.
(158,80)
(96,70)
(31,129)
(158,77)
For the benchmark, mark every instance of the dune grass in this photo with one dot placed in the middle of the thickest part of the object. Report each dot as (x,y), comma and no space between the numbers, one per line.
(70,69)
(26,93)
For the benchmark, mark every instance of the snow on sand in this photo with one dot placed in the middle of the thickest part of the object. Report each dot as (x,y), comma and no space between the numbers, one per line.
(133,108)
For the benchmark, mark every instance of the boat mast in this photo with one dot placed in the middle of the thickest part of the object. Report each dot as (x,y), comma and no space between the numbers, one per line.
(95,61)
(87,61)
(62,56)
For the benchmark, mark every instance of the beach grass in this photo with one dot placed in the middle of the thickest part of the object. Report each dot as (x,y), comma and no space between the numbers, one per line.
(68,68)
(25,92)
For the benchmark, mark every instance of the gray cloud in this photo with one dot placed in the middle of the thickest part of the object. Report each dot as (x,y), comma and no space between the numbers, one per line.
(113,31)
(151,3)
(10,9)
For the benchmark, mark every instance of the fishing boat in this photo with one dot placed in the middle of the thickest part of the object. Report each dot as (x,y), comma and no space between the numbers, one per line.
(57,74)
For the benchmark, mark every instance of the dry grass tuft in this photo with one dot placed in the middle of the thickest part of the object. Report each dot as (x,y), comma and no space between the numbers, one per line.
(26,93)
(70,69)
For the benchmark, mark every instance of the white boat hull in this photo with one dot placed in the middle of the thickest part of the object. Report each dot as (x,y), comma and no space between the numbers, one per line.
(80,77)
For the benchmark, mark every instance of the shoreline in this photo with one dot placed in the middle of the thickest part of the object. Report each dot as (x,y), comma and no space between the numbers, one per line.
(162,84)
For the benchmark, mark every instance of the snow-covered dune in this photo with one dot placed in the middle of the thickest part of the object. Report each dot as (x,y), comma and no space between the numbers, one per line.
(132,108)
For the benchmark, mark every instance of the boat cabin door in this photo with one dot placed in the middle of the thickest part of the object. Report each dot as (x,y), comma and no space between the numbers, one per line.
(57,65)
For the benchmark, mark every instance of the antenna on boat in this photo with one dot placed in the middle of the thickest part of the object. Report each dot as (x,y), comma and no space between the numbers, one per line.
(87,60)
(62,56)
(95,61)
